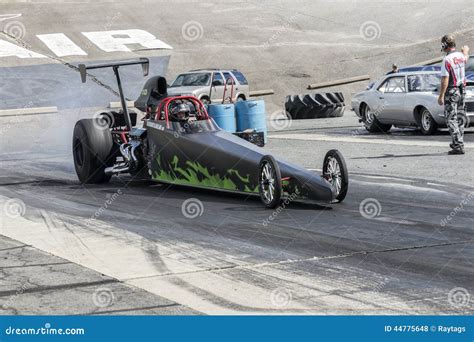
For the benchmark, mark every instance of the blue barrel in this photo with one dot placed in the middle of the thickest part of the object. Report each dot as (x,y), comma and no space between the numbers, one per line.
(224,116)
(251,115)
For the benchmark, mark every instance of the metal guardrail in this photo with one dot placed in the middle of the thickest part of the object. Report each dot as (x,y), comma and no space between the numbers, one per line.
(28,111)
(429,61)
(261,92)
(339,82)
(130,104)
(255,93)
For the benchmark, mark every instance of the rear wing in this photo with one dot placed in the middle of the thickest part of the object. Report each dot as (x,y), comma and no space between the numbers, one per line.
(144,62)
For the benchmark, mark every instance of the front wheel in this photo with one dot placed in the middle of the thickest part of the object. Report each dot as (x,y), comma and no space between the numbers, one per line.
(269,182)
(371,122)
(427,125)
(335,172)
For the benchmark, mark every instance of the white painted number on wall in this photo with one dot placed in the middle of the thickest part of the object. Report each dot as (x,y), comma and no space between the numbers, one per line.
(108,41)
(8,49)
(61,45)
(115,41)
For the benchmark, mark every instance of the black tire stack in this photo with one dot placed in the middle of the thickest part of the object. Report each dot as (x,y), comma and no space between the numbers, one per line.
(315,106)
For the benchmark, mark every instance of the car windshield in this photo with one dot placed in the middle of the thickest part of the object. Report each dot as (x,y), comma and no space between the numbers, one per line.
(240,77)
(192,80)
(429,82)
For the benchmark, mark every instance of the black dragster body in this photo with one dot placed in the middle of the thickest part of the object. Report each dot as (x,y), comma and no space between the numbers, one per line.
(195,152)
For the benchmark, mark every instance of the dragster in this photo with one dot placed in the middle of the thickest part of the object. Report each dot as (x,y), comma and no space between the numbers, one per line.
(179,143)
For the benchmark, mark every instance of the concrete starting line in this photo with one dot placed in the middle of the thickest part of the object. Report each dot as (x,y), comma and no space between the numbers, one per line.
(323,137)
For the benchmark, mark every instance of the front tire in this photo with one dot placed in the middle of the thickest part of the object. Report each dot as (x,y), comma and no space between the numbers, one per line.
(427,124)
(336,173)
(92,148)
(371,123)
(269,182)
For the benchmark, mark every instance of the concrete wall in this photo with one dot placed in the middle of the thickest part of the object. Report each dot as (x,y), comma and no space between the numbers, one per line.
(279,44)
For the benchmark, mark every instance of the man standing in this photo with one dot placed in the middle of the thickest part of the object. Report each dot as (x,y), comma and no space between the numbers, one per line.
(451,94)
(394,69)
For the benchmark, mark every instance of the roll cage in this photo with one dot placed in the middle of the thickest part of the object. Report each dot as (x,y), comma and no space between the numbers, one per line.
(163,109)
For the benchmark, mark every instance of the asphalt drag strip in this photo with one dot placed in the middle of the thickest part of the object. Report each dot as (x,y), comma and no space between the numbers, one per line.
(385,250)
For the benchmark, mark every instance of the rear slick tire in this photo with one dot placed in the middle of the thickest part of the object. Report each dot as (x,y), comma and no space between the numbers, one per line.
(92,149)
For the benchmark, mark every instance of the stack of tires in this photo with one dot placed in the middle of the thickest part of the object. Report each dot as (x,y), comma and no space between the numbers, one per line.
(314,106)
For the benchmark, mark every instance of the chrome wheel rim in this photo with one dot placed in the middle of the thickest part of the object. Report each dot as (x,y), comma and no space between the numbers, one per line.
(426,121)
(267,182)
(369,115)
(333,174)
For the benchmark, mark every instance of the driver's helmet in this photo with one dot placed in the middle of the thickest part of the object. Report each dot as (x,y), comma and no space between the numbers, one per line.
(180,112)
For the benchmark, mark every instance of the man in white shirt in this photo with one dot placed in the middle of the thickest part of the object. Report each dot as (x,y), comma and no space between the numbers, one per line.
(451,94)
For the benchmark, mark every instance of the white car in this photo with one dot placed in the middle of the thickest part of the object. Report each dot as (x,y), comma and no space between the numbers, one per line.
(198,84)
(406,99)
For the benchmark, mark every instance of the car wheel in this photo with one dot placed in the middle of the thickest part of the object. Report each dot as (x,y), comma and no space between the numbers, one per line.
(269,182)
(427,124)
(92,149)
(371,123)
(335,172)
